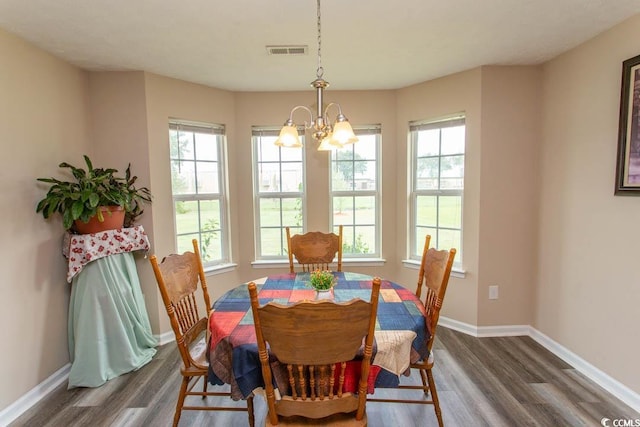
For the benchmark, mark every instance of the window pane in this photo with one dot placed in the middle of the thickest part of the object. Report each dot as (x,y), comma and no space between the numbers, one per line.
(292,212)
(450,211)
(266,150)
(270,212)
(181,145)
(340,176)
(206,146)
(364,175)
(291,155)
(210,215)
(365,148)
(270,242)
(427,173)
(187,217)
(291,177)
(452,172)
(269,177)
(365,210)
(183,177)
(453,140)
(342,211)
(448,239)
(421,234)
(210,246)
(184,243)
(428,143)
(208,178)
(365,240)
(426,211)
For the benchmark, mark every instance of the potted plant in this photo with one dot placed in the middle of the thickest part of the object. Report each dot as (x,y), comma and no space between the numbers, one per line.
(95,196)
(323,282)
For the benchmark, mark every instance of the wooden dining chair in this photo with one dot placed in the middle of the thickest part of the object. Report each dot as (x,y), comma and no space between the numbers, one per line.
(314,250)
(435,269)
(315,340)
(178,277)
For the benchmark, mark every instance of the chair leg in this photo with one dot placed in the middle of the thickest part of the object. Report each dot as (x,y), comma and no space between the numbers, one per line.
(425,387)
(204,386)
(250,411)
(434,397)
(180,404)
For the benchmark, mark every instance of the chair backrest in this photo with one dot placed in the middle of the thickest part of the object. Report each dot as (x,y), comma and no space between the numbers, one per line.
(315,340)
(178,277)
(314,250)
(435,270)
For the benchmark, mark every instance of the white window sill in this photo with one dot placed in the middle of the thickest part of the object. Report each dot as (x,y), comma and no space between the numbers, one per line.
(348,262)
(212,270)
(415,265)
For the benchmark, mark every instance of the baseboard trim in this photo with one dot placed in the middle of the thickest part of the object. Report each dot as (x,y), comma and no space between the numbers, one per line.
(34,395)
(610,384)
(485,331)
(165,338)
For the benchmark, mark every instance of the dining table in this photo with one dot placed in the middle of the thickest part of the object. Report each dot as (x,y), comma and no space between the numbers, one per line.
(400,337)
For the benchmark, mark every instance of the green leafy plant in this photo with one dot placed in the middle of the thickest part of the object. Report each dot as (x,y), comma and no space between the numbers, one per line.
(322,280)
(90,189)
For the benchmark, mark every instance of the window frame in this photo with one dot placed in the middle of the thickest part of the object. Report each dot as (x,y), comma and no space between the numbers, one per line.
(270,131)
(218,130)
(415,247)
(376,131)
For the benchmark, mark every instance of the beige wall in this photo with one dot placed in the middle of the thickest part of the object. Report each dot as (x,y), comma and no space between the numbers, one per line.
(43,117)
(119,134)
(588,288)
(510,135)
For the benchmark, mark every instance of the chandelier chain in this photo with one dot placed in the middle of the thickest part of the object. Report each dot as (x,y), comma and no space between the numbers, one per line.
(320,70)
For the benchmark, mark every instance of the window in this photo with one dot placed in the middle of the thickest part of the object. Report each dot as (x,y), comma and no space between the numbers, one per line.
(278,192)
(355,194)
(437,185)
(198,188)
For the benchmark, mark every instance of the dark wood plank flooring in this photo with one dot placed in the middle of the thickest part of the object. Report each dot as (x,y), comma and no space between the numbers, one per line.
(507,381)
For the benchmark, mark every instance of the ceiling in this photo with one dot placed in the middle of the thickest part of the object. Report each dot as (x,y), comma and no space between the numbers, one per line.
(366,44)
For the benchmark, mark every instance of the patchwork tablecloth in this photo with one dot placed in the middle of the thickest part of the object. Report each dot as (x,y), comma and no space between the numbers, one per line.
(401,332)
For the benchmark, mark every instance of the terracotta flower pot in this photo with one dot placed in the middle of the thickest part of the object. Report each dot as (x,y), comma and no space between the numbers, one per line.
(113,219)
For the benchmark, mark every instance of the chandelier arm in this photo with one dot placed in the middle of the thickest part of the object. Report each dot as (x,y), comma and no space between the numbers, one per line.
(307,125)
(326,111)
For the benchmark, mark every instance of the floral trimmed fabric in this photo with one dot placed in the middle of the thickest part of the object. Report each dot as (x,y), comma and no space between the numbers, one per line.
(81,249)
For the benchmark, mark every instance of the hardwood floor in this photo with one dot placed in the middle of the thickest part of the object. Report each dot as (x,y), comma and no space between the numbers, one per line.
(509,381)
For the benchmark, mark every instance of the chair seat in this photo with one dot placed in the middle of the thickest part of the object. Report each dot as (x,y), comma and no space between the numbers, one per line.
(198,352)
(421,364)
(336,420)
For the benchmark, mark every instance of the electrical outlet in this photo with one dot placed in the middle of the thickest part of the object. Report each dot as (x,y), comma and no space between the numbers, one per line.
(493,292)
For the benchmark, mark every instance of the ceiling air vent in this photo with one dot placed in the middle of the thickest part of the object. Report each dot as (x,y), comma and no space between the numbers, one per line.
(287,50)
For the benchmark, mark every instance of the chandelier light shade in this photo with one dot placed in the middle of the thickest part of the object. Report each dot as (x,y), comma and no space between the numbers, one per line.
(331,136)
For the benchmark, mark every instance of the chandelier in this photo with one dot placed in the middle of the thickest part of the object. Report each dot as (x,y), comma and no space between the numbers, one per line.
(331,136)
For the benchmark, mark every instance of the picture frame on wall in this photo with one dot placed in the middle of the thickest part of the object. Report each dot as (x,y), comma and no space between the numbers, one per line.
(628,162)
